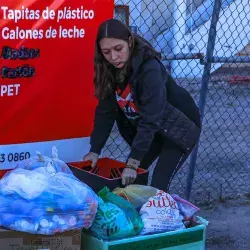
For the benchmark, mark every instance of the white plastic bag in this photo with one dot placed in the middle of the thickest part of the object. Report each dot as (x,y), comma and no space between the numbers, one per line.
(161,214)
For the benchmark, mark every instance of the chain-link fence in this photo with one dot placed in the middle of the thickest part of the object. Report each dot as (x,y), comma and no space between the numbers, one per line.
(206,47)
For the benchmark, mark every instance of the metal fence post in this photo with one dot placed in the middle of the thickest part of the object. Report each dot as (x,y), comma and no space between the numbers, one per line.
(204,89)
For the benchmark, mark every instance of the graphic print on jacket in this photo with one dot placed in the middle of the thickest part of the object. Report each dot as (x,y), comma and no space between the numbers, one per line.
(126,103)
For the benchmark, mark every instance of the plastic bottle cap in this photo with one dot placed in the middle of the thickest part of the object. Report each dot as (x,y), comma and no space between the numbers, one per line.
(24,224)
(44,223)
(72,221)
(55,218)
(61,222)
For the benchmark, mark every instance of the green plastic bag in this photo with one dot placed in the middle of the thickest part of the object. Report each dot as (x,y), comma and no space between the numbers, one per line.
(116,218)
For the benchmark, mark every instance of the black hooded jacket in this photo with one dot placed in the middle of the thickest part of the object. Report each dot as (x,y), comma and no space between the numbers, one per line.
(164,107)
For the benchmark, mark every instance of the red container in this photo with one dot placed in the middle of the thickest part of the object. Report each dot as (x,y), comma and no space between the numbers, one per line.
(106,173)
(3,172)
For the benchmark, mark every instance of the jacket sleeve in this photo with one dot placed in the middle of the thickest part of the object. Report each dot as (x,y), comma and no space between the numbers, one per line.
(152,101)
(104,120)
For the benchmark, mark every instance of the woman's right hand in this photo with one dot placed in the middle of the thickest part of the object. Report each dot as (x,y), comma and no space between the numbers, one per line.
(93,157)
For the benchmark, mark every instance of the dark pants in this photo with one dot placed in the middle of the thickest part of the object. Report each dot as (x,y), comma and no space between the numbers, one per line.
(171,158)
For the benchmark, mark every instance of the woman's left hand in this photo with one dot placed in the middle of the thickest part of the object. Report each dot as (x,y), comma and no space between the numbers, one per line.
(128,176)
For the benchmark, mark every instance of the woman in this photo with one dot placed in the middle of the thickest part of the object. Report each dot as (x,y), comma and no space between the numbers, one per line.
(155,116)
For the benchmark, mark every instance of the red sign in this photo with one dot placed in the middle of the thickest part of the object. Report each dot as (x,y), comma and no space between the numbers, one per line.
(46,82)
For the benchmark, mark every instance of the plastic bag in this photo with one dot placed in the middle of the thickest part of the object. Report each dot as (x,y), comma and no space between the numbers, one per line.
(187,209)
(51,165)
(116,218)
(42,196)
(161,214)
(136,194)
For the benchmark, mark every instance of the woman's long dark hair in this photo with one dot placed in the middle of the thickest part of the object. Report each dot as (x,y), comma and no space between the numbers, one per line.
(107,77)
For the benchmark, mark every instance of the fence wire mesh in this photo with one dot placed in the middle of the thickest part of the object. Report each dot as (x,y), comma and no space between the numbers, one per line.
(217,32)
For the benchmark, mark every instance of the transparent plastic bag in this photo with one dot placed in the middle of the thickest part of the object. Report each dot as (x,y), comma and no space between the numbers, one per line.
(137,195)
(187,209)
(45,198)
(51,165)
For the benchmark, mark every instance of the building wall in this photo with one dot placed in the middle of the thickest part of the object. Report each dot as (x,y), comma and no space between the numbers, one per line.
(151,17)
(154,20)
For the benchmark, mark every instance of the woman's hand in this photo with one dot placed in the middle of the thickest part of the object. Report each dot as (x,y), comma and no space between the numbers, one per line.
(93,157)
(128,176)
(129,173)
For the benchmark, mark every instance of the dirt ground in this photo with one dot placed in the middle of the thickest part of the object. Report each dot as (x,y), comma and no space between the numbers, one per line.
(229,224)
